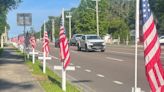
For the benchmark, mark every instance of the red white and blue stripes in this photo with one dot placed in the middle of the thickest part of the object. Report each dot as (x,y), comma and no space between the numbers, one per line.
(45,47)
(33,42)
(152,51)
(64,49)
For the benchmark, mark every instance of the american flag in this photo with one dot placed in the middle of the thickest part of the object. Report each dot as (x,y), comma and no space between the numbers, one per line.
(33,42)
(14,39)
(46,47)
(21,39)
(152,50)
(64,49)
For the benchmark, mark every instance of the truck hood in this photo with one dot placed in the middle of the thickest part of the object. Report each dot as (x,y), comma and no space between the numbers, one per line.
(97,40)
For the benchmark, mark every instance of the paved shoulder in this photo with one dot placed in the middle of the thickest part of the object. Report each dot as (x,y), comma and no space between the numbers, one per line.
(14,74)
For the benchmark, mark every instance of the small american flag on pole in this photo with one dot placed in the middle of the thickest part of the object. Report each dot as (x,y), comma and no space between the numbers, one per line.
(64,49)
(152,51)
(46,47)
(21,39)
(33,42)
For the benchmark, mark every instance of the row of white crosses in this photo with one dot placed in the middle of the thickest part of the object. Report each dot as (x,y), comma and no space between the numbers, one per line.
(63,68)
(45,57)
(45,53)
(33,45)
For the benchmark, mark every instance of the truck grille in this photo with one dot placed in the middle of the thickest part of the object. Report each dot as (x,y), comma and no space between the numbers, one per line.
(97,44)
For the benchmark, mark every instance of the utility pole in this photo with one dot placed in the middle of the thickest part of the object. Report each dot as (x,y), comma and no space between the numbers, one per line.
(97,15)
(53,30)
(40,34)
(69,16)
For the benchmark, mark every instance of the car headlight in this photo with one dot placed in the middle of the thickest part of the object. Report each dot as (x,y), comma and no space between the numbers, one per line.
(103,43)
(89,43)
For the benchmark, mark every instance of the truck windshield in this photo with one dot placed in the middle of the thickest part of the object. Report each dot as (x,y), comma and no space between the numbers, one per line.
(93,37)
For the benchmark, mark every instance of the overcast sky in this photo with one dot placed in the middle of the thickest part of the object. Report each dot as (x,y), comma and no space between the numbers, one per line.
(40,10)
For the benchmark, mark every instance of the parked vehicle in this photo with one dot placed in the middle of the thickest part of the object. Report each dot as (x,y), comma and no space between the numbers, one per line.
(161,40)
(57,43)
(91,43)
(73,40)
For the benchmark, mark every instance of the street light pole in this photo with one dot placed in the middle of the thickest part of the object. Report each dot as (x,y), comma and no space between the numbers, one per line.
(69,16)
(53,30)
(97,15)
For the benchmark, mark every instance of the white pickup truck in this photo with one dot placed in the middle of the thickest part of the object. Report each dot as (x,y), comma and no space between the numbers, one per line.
(90,43)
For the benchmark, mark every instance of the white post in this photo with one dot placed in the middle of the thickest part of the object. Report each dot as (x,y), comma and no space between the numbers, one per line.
(63,70)
(44,58)
(2,41)
(6,35)
(127,40)
(44,54)
(33,56)
(63,78)
(136,43)
(44,27)
(53,30)
(44,62)
(69,16)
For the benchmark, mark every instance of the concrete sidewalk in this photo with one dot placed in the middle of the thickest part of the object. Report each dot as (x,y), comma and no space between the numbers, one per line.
(15,75)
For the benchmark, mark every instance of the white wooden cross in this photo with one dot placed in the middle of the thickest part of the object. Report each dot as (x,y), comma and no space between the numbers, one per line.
(44,58)
(64,74)
(33,55)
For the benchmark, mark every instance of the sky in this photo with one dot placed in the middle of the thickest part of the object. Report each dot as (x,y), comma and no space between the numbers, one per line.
(40,10)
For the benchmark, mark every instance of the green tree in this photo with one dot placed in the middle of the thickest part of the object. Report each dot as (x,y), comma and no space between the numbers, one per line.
(5,6)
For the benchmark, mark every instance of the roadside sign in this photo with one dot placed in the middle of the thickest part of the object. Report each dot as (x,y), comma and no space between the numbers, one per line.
(24,19)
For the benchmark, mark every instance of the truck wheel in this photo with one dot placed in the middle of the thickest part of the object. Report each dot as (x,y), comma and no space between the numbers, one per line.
(86,49)
(78,47)
(102,50)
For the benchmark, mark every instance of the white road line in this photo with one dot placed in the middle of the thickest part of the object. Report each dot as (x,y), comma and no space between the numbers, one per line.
(140,54)
(118,82)
(120,60)
(87,70)
(122,53)
(54,57)
(100,75)
(78,66)
(74,51)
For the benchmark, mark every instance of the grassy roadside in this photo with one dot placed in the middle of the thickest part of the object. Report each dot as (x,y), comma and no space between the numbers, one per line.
(49,81)
(1,50)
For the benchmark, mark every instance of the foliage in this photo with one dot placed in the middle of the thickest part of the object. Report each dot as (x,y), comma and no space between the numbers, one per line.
(119,29)
(5,6)
(116,17)
(1,50)
(158,9)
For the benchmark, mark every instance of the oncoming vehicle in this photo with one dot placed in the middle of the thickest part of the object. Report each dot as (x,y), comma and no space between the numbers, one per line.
(161,40)
(73,40)
(91,43)
(57,43)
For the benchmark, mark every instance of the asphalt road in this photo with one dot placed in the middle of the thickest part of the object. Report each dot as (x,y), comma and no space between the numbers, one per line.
(109,71)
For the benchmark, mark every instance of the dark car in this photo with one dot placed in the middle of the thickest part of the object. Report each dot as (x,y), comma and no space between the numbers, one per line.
(73,40)
(57,43)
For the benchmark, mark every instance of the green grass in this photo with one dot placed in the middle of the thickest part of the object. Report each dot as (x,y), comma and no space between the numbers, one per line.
(49,81)
(1,50)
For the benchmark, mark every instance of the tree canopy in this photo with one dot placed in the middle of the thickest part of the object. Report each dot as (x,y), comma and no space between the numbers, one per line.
(5,6)
(116,17)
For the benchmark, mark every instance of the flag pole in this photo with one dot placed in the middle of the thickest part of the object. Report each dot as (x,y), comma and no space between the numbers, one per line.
(136,42)
(63,69)
(44,53)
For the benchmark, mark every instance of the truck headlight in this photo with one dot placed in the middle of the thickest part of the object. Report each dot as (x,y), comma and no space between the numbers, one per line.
(103,43)
(89,43)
